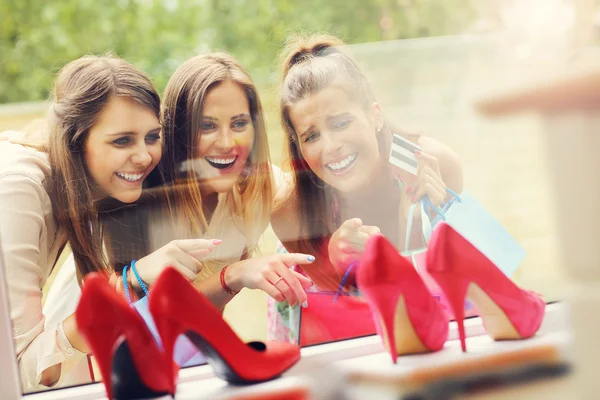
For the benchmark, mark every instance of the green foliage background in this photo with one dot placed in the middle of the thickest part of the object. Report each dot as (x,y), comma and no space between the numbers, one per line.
(37,37)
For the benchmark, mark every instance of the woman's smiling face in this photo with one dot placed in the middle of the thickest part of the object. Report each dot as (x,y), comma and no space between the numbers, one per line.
(337,138)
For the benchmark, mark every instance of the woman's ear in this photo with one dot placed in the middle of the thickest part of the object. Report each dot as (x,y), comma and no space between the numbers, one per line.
(377,115)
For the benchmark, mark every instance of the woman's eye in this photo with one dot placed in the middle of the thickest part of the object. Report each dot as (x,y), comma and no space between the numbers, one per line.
(240,124)
(155,137)
(343,124)
(208,126)
(311,137)
(122,141)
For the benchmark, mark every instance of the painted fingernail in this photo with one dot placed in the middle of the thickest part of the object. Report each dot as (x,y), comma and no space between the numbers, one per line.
(217,241)
(305,304)
(410,189)
(417,153)
(311,258)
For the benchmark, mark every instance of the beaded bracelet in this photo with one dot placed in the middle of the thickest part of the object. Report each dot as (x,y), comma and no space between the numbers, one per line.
(223,284)
(125,285)
(139,279)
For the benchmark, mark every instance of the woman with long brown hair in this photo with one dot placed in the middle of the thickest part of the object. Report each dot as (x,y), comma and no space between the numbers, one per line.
(103,139)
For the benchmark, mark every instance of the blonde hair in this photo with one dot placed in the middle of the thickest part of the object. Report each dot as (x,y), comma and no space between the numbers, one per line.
(311,64)
(182,115)
(81,91)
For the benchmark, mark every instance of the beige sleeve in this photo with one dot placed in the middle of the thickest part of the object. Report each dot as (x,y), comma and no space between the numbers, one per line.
(21,227)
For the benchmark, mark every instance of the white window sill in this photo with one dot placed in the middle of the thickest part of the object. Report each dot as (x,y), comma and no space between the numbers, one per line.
(364,356)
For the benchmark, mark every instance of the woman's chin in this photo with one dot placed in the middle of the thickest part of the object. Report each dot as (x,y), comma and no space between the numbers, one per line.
(347,184)
(129,196)
(219,185)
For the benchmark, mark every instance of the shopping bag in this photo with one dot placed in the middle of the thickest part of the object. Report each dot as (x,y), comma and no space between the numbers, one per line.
(469,218)
(185,353)
(332,316)
(418,258)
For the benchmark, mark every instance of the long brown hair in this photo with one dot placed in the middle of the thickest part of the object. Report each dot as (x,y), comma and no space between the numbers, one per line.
(310,64)
(81,91)
(182,116)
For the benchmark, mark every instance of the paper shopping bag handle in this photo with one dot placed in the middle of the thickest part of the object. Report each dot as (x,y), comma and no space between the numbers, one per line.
(442,211)
(425,224)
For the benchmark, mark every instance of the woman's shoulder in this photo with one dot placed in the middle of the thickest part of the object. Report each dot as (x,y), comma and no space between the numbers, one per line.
(429,145)
(284,197)
(280,177)
(434,147)
(448,161)
(22,160)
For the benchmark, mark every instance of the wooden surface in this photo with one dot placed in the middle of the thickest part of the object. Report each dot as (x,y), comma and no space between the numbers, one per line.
(375,377)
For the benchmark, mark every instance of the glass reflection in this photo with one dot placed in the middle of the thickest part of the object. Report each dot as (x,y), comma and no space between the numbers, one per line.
(193,186)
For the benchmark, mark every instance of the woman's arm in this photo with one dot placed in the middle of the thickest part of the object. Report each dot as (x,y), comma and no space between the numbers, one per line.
(270,274)
(448,161)
(40,350)
(285,221)
(264,273)
(73,335)
(439,168)
(211,288)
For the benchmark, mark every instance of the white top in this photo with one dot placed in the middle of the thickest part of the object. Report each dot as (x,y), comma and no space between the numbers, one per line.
(31,242)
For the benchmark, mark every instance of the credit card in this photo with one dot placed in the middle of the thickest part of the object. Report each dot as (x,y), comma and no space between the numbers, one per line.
(402,154)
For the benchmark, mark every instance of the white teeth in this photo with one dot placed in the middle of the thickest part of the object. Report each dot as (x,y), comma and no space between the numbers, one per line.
(341,164)
(130,177)
(221,160)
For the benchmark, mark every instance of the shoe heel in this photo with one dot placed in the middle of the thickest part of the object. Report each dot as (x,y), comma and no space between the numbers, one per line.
(169,331)
(126,381)
(383,311)
(455,288)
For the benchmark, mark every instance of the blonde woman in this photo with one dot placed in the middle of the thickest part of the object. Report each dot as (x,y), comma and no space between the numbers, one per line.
(217,160)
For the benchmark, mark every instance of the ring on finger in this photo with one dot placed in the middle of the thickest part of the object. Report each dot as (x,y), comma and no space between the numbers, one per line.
(278,280)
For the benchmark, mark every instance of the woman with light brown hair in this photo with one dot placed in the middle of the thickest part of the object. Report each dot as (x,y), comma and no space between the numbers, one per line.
(344,189)
(101,141)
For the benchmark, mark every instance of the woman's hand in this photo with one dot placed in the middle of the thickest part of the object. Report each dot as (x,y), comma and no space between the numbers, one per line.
(272,275)
(184,255)
(348,242)
(428,182)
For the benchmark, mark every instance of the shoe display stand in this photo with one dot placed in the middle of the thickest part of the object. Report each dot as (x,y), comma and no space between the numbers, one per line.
(360,368)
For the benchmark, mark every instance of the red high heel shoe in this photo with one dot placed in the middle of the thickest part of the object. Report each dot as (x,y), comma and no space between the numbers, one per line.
(410,319)
(130,361)
(463,271)
(178,308)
